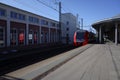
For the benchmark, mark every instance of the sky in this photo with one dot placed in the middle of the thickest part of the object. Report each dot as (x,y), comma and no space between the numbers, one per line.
(90,10)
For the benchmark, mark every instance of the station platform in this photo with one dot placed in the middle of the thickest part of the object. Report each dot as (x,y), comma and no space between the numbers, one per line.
(90,62)
(100,62)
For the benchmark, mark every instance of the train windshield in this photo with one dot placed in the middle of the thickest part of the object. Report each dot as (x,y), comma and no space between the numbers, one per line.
(80,35)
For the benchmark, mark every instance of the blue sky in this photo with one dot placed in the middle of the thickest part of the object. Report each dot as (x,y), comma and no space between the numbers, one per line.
(89,10)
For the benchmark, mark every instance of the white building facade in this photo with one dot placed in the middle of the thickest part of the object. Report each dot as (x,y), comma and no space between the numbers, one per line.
(69,24)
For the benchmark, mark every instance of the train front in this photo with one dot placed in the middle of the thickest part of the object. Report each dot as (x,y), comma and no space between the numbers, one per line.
(80,38)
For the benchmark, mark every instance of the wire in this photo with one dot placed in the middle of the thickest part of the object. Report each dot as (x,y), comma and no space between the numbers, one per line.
(47,5)
(34,8)
(67,9)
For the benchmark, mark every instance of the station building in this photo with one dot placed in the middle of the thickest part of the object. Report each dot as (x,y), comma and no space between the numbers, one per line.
(108,29)
(68,27)
(21,28)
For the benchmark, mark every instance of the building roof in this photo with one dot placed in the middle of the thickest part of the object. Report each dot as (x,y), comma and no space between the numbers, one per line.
(112,19)
(26,11)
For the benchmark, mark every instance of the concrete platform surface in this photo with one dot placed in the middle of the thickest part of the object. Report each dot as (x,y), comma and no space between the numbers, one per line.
(100,62)
(37,69)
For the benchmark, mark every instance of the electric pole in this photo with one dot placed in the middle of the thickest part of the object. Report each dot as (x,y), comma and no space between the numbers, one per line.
(81,23)
(60,21)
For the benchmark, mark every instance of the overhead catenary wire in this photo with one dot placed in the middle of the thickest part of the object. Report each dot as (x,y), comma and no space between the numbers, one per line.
(55,1)
(47,5)
(67,9)
(34,8)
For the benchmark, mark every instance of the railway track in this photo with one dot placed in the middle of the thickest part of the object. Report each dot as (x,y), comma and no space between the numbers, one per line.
(29,57)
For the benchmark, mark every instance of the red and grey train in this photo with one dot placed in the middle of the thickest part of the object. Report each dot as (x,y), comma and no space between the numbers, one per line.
(82,37)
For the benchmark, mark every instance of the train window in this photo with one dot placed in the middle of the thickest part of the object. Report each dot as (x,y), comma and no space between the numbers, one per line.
(80,35)
(13,37)
(2,43)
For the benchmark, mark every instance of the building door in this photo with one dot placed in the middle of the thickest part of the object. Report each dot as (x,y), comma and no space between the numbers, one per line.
(46,37)
(21,37)
(30,37)
(35,37)
(13,37)
(42,37)
(51,37)
(2,37)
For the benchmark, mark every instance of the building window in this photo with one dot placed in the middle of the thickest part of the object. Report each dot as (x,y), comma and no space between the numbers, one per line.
(57,25)
(2,12)
(67,38)
(53,24)
(19,16)
(43,22)
(2,43)
(30,19)
(33,19)
(13,15)
(67,29)
(67,23)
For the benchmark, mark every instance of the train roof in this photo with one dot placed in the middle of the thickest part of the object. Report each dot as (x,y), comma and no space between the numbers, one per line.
(81,30)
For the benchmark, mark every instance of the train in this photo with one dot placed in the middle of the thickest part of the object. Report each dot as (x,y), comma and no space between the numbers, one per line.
(83,37)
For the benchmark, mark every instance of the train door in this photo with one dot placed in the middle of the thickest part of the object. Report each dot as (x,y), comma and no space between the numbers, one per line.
(21,37)
(2,37)
(13,37)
